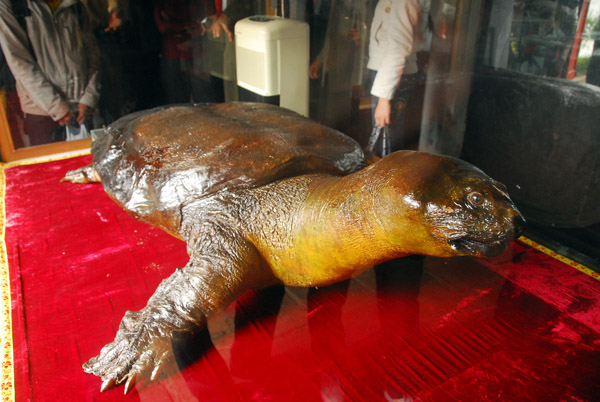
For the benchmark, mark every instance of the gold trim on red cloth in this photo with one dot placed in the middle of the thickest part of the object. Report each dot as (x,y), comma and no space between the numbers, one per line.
(7,390)
(560,257)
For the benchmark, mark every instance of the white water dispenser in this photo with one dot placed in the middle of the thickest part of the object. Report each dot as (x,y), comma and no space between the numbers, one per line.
(272,59)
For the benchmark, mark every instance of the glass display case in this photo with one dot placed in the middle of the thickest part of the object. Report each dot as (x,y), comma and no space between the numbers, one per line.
(511,86)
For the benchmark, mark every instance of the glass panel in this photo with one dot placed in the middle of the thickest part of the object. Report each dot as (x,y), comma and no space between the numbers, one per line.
(511,86)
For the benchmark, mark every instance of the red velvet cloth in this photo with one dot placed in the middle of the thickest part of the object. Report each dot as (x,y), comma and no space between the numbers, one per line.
(521,327)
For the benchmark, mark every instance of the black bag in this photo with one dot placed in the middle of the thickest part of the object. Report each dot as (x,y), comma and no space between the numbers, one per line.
(378,145)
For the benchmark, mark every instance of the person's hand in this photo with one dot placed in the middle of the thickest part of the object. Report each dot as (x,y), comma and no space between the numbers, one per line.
(221,23)
(63,121)
(114,22)
(85,112)
(383,112)
(315,69)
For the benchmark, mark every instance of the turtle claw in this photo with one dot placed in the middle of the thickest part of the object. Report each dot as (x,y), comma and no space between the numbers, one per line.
(108,384)
(131,381)
(156,373)
(139,351)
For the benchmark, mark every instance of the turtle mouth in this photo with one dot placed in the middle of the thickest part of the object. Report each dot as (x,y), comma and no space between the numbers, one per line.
(479,248)
(487,243)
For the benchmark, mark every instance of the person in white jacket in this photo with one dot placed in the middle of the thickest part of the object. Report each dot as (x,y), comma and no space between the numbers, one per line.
(396,25)
(54,58)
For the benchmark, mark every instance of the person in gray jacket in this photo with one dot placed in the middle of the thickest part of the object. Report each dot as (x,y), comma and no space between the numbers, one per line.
(54,58)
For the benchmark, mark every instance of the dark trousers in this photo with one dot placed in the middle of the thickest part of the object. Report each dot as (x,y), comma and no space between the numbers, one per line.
(42,129)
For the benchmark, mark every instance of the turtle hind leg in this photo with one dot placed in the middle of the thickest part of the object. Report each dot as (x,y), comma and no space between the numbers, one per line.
(86,174)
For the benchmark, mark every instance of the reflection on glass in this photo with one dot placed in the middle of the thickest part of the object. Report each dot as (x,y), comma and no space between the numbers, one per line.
(552,39)
(511,86)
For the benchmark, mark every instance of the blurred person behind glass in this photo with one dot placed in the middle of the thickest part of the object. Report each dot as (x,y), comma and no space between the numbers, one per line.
(112,29)
(398,27)
(54,58)
(220,44)
(173,20)
(337,70)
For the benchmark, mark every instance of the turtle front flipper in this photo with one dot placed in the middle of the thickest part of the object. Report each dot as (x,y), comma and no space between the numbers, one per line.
(144,344)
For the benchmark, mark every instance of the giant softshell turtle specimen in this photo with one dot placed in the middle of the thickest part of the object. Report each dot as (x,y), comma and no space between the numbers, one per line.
(264,196)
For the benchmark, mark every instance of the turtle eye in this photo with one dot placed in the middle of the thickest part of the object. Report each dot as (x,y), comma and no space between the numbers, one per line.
(475,198)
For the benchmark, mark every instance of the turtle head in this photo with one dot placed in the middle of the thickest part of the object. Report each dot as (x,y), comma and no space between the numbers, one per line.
(443,206)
